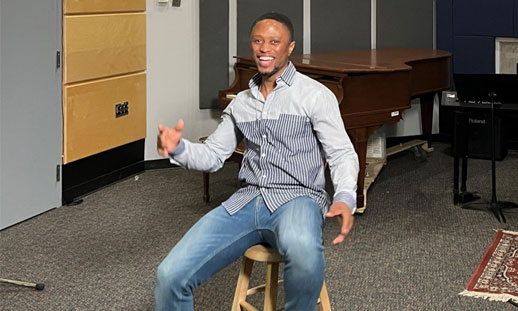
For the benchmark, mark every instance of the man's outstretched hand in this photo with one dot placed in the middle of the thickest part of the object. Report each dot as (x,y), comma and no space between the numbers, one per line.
(345,219)
(168,138)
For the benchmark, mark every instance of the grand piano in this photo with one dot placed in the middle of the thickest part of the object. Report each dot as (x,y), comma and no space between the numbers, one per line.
(373,87)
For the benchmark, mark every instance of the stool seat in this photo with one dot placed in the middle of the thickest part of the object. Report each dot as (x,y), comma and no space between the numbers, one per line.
(270,256)
(262,253)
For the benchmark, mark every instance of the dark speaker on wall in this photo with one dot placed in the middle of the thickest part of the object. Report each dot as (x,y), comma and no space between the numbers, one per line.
(479,137)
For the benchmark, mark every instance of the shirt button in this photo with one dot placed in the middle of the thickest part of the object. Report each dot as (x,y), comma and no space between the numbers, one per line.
(264,176)
(264,136)
(264,114)
(263,155)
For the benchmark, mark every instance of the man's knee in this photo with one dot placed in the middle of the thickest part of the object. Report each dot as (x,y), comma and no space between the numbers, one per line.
(303,251)
(171,279)
(299,234)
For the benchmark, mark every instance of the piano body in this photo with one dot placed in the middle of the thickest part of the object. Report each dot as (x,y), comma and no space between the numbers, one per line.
(373,87)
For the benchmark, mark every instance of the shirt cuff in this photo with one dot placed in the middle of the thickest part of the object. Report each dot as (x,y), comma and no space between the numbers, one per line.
(178,150)
(347,199)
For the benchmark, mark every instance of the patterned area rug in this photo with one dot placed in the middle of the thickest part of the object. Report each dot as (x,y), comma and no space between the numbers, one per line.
(496,276)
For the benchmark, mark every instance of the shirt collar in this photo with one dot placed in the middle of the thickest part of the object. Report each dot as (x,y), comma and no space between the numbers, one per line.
(288,75)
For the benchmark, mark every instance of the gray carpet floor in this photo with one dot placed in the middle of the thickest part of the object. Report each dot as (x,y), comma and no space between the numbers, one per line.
(412,249)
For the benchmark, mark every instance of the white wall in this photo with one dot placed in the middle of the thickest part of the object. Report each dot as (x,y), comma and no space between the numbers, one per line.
(173,73)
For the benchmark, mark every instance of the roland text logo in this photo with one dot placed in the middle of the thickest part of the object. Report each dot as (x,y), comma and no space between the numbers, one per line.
(476,121)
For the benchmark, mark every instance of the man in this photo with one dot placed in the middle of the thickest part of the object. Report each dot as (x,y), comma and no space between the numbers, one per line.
(286,120)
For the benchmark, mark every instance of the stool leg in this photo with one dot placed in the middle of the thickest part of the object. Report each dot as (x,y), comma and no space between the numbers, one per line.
(270,290)
(325,305)
(243,281)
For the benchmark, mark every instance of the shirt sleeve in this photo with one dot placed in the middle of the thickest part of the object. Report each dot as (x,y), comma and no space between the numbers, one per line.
(210,155)
(338,150)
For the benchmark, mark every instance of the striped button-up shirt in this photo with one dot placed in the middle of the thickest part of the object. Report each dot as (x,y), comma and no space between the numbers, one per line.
(288,138)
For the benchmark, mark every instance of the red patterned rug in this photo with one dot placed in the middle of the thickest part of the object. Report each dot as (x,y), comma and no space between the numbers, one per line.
(496,276)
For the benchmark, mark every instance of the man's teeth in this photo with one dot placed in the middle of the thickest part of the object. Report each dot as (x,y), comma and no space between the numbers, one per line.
(265,58)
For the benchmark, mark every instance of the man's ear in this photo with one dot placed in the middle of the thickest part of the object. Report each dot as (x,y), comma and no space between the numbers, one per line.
(291,47)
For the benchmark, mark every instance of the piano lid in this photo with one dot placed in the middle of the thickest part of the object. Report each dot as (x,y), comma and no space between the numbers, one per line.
(361,61)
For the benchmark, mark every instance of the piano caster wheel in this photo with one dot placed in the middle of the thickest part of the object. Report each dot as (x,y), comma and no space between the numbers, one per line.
(420,154)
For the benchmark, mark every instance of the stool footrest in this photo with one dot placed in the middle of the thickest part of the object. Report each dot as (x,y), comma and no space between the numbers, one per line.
(247,306)
(259,288)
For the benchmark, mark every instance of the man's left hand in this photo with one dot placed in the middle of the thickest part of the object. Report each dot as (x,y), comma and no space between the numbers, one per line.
(345,219)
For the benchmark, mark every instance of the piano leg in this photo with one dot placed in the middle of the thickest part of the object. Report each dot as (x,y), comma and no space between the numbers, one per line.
(206,183)
(427,118)
(359,137)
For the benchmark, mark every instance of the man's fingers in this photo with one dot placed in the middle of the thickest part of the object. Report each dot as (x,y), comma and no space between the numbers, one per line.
(164,152)
(331,214)
(347,224)
(339,239)
(162,129)
(345,229)
(179,125)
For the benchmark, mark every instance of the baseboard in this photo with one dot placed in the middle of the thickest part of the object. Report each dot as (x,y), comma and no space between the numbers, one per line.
(95,172)
(158,164)
(92,173)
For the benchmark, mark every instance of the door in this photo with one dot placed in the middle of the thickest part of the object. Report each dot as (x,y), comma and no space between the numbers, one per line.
(30,108)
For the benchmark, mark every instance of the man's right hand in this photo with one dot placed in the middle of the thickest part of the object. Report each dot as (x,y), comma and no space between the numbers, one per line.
(168,138)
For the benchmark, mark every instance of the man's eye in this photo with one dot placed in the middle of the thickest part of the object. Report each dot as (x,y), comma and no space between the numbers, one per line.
(275,42)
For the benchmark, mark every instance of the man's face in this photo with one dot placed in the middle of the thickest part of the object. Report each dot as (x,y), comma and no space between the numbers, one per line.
(271,47)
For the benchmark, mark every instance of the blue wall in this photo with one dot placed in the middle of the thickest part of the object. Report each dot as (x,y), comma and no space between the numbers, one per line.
(468,28)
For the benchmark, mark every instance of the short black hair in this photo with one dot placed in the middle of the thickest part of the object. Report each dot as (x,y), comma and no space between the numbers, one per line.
(281,18)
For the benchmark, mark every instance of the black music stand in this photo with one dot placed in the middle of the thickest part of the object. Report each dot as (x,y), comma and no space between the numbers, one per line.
(460,152)
(484,90)
(494,205)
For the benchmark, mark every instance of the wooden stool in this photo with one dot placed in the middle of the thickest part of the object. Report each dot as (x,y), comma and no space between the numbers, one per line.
(272,258)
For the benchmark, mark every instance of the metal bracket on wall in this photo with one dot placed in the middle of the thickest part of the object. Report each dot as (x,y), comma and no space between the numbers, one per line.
(58,59)
(58,172)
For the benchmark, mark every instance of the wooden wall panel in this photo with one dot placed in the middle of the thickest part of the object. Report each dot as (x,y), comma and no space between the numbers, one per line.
(90,125)
(98,6)
(96,46)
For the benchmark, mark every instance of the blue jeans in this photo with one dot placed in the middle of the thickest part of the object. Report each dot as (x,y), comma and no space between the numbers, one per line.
(218,239)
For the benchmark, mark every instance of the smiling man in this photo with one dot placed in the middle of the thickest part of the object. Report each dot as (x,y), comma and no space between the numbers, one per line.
(272,44)
(291,124)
